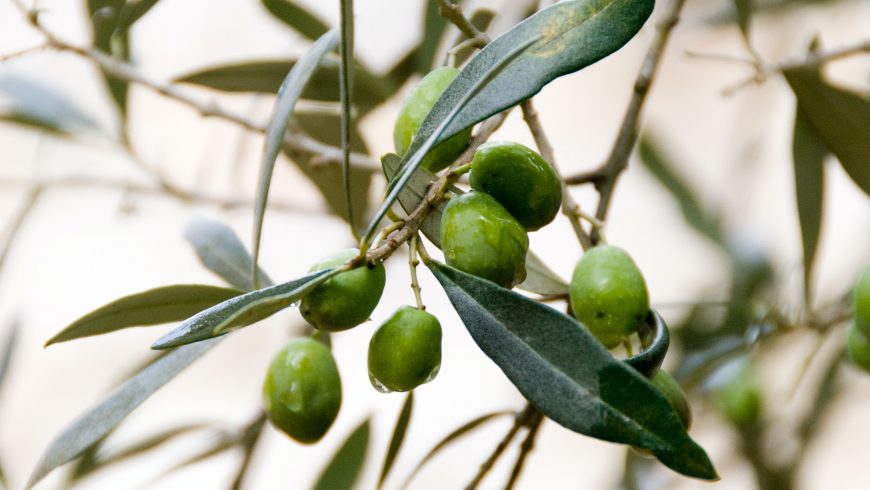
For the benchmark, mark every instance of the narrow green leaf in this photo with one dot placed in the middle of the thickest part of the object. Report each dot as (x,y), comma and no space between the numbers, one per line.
(32,103)
(221,442)
(414,157)
(345,76)
(220,250)
(540,279)
(568,375)
(343,471)
(248,443)
(99,420)
(241,311)
(650,360)
(6,352)
(744,15)
(398,437)
(808,153)
(457,433)
(153,307)
(105,16)
(289,93)
(841,118)
(132,11)
(35,121)
(562,39)
(299,19)
(101,461)
(659,164)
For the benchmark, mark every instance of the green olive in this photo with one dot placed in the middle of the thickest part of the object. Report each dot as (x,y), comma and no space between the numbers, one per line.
(861,302)
(858,347)
(414,111)
(302,390)
(479,236)
(739,399)
(405,351)
(608,294)
(520,179)
(346,299)
(675,394)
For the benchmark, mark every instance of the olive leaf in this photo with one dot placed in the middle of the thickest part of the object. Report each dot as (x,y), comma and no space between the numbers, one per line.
(289,93)
(102,418)
(220,250)
(34,104)
(345,78)
(299,19)
(650,360)
(568,375)
(840,118)
(153,307)
(808,154)
(455,434)
(398,437)
(241,311)
(540,279)
(743,8)
(346,465)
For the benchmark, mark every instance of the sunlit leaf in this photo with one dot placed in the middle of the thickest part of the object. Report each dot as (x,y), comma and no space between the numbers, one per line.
(220,250)
(102,418)
(241,311)
(288,95)
(808,154)
(659,164)
(344,469)
(457,433)
(398,437)
(540,279)
(568,375)
(299,19)
(841,119)
(153,307)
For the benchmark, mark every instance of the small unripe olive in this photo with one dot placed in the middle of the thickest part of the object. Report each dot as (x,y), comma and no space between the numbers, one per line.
(346,299)
(405,351)
(302,390)
(608,294)
(861,302)
(675,394)
(739,400)
(479,236)
(414,111)
(858,347)
(520,179)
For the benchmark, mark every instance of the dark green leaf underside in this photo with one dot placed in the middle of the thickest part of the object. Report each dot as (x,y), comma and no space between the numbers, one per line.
(568,375)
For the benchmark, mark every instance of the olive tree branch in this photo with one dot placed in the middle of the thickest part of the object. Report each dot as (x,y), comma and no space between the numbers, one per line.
(18,221)
(296,142)
(526,417)
(525,448)
(604,178)
(570,207)
(453,13)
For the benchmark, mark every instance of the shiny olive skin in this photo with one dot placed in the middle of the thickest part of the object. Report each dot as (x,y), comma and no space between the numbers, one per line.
(520,179)
(405,351)
(479,236)
(739,400)
(675,394)
(608,294)
(858,347)
(346,299)
(415,109)
(861,302)
(302,390)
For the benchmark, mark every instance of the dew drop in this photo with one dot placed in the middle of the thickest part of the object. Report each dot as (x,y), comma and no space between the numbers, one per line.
(378,385)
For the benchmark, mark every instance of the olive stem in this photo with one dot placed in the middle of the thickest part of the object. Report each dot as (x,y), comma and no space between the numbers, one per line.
(525,448)
(453,13)
(413,262)
(570,207)
(522,419)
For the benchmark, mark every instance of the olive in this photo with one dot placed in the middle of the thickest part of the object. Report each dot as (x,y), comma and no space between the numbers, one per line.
(302,390)
(861,302)
(858,347)
(346,299)
(405,351)
(675,394)
(739,399)
(520,179)
(608,294)
(479,236)
(414,111)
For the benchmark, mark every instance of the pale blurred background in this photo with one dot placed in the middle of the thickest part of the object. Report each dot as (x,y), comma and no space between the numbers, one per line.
(82,247)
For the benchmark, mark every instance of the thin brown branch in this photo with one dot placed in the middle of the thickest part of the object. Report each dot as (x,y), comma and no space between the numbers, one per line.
(628,131)
(525,449)
(523,418)
(570,207)
(453,13)
(18,221)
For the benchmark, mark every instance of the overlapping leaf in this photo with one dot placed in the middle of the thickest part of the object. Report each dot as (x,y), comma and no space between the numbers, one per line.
(568,375)
(220,250)
(241,311)
(808,155)
(344,469)
(153,307)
